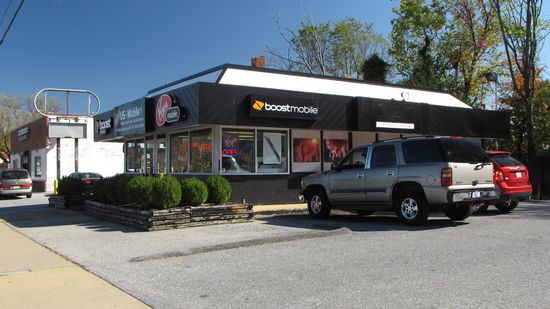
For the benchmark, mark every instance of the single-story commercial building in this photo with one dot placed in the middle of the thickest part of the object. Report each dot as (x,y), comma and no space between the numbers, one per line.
(265,129)
(56,145)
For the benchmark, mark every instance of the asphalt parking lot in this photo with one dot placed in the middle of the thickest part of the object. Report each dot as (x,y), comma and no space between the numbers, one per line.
(491,261)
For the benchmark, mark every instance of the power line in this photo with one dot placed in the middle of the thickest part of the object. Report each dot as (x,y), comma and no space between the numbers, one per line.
(5,12)
(11,22)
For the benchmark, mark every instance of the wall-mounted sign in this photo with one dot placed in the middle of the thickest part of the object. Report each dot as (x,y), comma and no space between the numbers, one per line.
(166,111)
(105,126)
(130,118)
(278,107)
(23,133)
(395,125)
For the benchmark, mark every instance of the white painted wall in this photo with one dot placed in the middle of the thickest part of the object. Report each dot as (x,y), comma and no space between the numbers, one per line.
(106,159)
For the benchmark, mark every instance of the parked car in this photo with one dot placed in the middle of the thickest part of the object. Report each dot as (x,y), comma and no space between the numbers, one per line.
(87,178)
(15,182)
(511,178)
(411,176)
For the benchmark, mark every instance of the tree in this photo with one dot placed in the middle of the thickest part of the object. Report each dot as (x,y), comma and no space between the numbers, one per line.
(336,50)
(15,112)
(522,32)
(375,69)
(445,44)
(415,40)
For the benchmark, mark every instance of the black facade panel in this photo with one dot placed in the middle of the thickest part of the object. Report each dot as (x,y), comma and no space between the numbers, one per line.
(187,98)
(108,134)
(467,122)
(230,105)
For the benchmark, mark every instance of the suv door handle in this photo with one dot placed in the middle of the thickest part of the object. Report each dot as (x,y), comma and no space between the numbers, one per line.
(360,176)
(390,173)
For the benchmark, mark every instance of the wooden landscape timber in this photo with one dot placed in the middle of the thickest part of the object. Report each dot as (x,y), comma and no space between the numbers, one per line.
(178,217)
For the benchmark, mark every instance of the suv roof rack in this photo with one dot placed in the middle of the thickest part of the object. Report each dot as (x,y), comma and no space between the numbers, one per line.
(404,138)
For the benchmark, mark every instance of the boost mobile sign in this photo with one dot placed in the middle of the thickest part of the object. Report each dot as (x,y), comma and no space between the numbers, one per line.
(279,107)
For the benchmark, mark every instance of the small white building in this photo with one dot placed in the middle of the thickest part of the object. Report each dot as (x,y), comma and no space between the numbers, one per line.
(55,146)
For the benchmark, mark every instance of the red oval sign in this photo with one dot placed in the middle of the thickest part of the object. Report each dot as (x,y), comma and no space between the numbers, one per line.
(163,104)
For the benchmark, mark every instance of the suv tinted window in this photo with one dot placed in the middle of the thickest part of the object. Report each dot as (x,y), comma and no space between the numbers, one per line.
(463,150)
(15,175)
(383,156)
(421,151)
(505,160)
(355,159)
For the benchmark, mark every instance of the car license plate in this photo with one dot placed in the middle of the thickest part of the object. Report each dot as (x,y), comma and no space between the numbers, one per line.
(476,194)
(16,187)
(518,174)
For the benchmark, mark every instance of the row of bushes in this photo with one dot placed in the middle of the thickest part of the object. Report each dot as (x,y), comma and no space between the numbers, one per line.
(152,192)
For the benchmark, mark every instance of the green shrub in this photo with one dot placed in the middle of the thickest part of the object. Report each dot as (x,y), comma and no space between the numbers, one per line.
(166,192)
(70,186)
(219,189)
(98,191)
(122,192)
(111,189)
(140,189)
(193,192)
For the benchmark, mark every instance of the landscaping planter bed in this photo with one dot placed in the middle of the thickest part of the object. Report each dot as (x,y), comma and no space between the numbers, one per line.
(71,202)
(178,217)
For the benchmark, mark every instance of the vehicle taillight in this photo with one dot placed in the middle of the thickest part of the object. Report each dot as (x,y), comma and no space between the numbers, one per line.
(87,181)
(6,186)
(447,176)
(498,176)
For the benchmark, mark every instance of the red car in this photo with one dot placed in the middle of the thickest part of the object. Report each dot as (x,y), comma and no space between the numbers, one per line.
(512,178)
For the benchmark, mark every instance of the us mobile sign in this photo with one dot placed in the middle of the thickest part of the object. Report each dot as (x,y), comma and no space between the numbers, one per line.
(287,108)
(130,118)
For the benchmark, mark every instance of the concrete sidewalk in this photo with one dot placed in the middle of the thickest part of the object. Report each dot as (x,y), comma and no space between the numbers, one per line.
(31,276)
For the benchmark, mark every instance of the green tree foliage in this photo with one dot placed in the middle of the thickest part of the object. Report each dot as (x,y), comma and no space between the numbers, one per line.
(522,32)
(375,69)
(445,44)
(338,49)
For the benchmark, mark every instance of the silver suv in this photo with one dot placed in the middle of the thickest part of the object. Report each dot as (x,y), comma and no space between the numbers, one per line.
(411,176)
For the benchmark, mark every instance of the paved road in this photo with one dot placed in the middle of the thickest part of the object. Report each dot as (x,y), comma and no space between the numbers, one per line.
(491,261)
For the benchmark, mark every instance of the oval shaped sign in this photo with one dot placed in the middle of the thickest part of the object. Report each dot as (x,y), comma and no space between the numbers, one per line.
(163,104)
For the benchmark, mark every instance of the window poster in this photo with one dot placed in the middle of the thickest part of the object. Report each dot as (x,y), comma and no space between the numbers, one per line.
(272,148)
(334,149)
(306,150)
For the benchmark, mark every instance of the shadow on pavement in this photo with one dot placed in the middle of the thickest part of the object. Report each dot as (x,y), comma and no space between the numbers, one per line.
(539,209)
(28,216)
(355,223)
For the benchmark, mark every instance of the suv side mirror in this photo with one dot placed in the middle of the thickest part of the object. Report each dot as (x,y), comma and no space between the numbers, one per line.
(335,166)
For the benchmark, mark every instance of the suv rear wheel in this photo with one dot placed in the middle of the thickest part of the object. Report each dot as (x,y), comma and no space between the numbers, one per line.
(458,212)
(507,206)
(318,204)
(412,208)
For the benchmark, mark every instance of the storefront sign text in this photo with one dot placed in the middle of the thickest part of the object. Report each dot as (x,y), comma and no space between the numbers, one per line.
(165,112)
(130,118)
(23,133)
(105,126)
(273,107)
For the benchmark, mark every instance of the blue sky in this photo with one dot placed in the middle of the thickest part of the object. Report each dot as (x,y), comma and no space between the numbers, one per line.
(120,49)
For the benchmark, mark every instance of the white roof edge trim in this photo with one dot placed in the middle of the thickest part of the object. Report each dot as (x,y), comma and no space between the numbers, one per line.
(240,77)
(211,77)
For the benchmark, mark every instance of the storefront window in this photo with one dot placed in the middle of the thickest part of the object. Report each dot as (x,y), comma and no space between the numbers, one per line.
(149,149)
(161,156)
(272,149)
(237,151)
(135,155)
(306,151)
(201,151)
(179,148)
(38,166)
